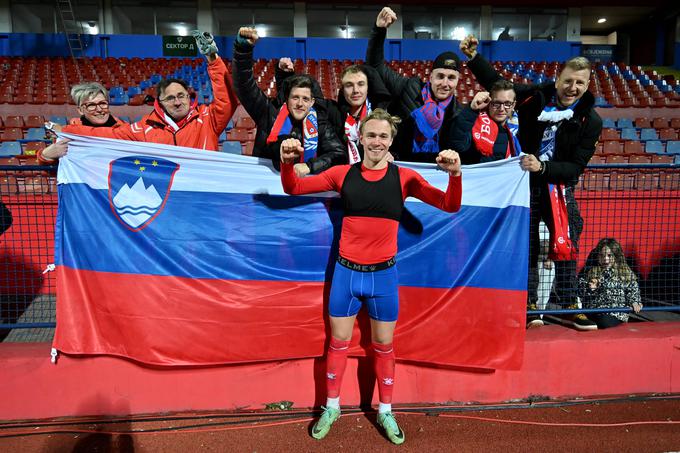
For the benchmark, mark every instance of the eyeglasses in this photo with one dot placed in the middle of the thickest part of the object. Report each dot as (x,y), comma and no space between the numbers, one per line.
(180,97)
(498,104)
(92,106)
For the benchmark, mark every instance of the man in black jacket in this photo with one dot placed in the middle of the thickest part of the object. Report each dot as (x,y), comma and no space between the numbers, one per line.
(558,129)
(426,109)
(303,116)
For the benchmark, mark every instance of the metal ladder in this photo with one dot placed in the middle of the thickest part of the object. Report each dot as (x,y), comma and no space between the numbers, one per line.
(72,30)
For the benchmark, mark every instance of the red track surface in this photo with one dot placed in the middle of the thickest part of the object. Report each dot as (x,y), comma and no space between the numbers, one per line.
(628,426)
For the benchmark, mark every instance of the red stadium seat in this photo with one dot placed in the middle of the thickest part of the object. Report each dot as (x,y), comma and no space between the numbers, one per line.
(675,123)
(8,183)
(668,134)
(245,122)
(669,181)
(609,133)
(647,180)
(596,181)
(633,147)
(640,159)
(617,159)
(597,159)
(612,147)
(11,134)
(241,135)
(14,121)
(623,180)
(34,121)
(642,123)
(662,159)
(660,123)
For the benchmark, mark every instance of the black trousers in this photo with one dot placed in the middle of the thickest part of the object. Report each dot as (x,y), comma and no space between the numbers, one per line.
(566,281)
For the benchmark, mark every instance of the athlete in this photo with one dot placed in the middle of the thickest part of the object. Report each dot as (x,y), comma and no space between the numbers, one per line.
(372,193)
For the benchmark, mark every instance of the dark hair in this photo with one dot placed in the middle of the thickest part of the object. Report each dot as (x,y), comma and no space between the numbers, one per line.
(501,85)
(299,81)
(163,84)
(620,266)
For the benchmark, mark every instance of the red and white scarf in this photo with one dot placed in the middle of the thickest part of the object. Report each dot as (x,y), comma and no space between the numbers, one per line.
(561,247)
(485,132)
(352,126)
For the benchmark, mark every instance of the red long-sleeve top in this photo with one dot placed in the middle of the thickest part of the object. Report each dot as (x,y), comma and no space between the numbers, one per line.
(369,240)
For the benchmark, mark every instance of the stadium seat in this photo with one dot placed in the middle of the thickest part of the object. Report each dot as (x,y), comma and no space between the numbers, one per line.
(608,122)
(246,122)
(34,121)
(668,134)
(11,134)
(31,148)
(659,123)
(609,134)
(663,159)
(673,147)
(241,135)
(642,122)
(8,184)
(639,159)
(59,119)
(629,133)
(675,123)
(633,147)
(654,146)
(612,147)
(616,159)
(669,180)
(35,134)
(648,134)
(622,123)
(647,180)
(8,149)
(596,181)
(597,159)
(14,121)
(231,147)
(622,180)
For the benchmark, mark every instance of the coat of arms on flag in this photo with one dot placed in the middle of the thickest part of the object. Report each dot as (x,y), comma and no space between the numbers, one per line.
(138,188)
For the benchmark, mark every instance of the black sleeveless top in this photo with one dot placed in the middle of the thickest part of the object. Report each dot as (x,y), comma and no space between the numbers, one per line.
(382,198)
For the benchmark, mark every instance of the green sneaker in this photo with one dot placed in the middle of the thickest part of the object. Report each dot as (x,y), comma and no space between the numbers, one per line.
(392,430)
(321,427)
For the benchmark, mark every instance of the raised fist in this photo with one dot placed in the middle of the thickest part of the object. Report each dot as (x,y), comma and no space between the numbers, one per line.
(291,148)
(480,101)
(469,46)
(386,17)
(449,160)
(286,64)
(249,34)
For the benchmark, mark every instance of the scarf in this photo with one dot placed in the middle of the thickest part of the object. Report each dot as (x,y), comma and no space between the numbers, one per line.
(551,114)
(561,247)
(310,130)
(485,132)
(428,118)
(352,132)
(172,124)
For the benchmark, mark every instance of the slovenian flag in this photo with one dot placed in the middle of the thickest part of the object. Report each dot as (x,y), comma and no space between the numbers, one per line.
(177,256)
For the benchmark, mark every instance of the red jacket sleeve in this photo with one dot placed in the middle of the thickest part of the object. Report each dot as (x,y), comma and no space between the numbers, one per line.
(416,186)
(224,100)
(120,130)
(328,180)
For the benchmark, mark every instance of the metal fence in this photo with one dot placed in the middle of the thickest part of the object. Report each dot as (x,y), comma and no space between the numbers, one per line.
(637,205)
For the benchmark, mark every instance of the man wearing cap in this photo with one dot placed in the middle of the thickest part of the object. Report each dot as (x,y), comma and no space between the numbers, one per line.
(427,108)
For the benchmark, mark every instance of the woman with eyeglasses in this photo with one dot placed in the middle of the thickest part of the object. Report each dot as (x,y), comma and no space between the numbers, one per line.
(486,129)
(92,100)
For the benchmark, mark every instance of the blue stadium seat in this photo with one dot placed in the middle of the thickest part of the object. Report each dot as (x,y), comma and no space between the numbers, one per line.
(155,78)
(10,149)
(230,125)
(601,102)
(654,147)
(124,118)
(223,136)
(608,122)
(673,147)
(59,119)
(629,133)
(648,134)
(231,147)
(34,134)
(119,100)
(134,90)
(624,122)
(116,92)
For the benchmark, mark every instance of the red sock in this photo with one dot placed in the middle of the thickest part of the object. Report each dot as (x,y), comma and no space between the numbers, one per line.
(336,360)
(384,370)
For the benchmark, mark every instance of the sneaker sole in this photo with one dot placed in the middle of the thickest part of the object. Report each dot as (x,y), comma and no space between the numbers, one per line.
(566,322)
(535,323)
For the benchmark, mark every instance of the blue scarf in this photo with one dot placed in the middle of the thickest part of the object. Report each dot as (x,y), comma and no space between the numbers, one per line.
(428,120)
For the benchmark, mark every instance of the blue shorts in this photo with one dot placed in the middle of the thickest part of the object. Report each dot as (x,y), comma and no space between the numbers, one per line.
(351,289)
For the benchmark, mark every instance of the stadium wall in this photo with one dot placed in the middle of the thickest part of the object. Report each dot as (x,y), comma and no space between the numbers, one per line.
(559,363)
(151,46)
